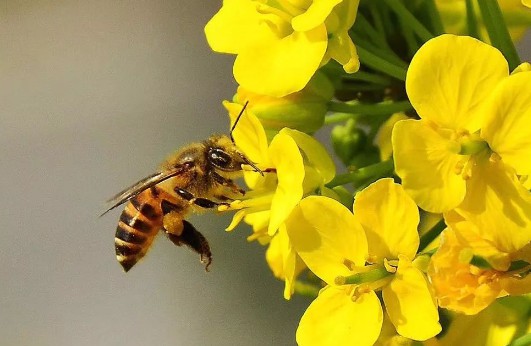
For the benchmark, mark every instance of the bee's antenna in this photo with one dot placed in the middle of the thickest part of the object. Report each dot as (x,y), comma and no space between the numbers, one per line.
(237,119)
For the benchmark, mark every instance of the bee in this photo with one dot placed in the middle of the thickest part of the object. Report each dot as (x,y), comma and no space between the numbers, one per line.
(198,176)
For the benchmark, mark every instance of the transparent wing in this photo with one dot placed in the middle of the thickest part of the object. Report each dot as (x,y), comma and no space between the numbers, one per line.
(140,186)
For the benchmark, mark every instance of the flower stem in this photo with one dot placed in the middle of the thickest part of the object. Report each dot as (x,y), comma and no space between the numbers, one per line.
(306,289)
(361,174)
(524,340)
(409,18)
(471,20)
(381,64)
(435,17)
(430,236)
(367,77)
(498,32)
(384,108)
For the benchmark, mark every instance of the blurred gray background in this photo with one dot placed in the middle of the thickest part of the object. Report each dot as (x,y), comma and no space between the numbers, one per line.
(93,95)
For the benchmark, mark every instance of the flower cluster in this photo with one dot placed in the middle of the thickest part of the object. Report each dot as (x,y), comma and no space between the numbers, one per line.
(427,232)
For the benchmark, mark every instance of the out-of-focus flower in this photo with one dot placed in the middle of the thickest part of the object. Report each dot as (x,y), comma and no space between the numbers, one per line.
(280,44)
(461,284)
(499,324)
(458,86)
(356,255)
(454,16)
(303,110)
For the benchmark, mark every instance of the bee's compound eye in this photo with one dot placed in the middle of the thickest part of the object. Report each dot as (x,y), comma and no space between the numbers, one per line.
(219,158)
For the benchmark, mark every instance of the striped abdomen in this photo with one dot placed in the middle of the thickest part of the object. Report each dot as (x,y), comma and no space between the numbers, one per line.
(139,224)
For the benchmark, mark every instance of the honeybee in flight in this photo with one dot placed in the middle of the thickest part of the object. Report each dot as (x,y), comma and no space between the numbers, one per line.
(197,176)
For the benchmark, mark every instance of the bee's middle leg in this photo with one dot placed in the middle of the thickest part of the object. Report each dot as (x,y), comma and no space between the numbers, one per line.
(199,201)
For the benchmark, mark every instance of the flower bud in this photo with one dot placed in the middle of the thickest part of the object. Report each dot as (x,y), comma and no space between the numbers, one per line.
(348,140)
(303,110)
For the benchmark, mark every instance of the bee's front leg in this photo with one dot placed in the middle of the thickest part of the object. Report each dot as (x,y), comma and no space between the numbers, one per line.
(227,183)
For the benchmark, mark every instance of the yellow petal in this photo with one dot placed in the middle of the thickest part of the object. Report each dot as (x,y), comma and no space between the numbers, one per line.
(314,15)
(236,26)
(450,76)
(498,205)
(283,261)
(410,305)
(327,237)
(342,49)
(279,67)
(383,136)
(508,131)
(287,160)
(390,219)
(315,152)
(334,319)
(425,158)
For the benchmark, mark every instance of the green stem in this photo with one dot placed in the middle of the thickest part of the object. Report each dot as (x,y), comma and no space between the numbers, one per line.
(430,236)
(359,278)
(361,174)
(365,27)
(409,19)
(377,20)
(498,32)
(306,289)
(385,108)
(524,340)
(368,77)
(471,20)
(434,17)
(381,64)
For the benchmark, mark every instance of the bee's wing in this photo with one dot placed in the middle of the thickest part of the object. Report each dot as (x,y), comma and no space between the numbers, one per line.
(140,186)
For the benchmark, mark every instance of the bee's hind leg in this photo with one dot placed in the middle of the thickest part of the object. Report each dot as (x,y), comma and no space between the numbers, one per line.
(193,239)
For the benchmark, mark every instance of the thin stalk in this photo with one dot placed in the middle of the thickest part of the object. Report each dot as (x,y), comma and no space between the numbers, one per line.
(367,77)
(471,20)
(430,236)
(362,174)
(381,64)
(370,109)
(383,52)
(409,19)
(434,17)
(498,32)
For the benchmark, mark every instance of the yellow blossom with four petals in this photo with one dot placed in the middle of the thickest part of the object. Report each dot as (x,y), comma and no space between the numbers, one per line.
(280,44)
(379,241)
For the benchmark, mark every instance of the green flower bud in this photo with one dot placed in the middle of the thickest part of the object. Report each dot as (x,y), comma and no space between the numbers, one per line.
(348,140)
(303,110)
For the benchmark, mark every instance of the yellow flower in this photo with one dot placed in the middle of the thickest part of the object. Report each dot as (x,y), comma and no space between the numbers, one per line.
(356,255)
(468,287)
(383,136)
(472,141)
(303,110)
(280,44)
(454,16)
(289,175)
(499,324)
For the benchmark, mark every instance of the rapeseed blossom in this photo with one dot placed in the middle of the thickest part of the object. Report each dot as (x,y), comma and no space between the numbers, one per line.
(281,44)
(379,241)
(471,138)
(445,116)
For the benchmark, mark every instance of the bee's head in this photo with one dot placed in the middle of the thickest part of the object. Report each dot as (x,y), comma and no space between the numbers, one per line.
(223,154)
